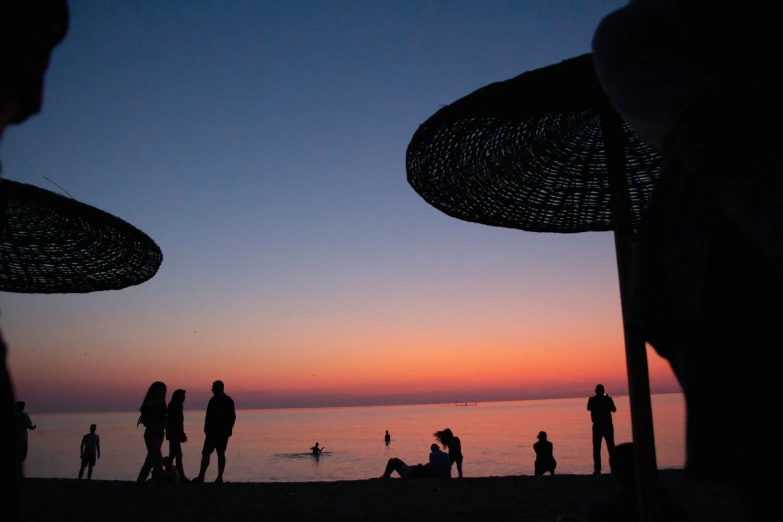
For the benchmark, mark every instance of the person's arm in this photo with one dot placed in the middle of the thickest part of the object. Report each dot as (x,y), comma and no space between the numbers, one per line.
(321,449)
(81,447)
(30,424)
(98,445)
(590,404)
(233,415)
(209,415)
(611,403)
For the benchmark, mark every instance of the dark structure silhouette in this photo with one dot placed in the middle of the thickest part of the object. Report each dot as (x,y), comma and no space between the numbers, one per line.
(448,440)
(545,460)
(438,466)
(153,417)
(623,507)
(89,451)
(708,270)
(175,431)
(28,33)
(601,407)
(218,427)
(23,425)
(387,438)
(315,450)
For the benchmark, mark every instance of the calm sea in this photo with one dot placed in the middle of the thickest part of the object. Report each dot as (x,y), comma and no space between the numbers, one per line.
(272,445)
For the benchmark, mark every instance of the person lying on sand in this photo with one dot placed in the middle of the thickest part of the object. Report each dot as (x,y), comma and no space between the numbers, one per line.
(439,466)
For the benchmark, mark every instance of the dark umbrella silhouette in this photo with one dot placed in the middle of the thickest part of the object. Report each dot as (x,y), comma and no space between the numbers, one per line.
(545,152)
(53,244)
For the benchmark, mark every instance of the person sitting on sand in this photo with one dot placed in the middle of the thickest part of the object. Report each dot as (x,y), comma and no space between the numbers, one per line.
(170,473)
(89,450)
(439,466)
(545,461)
(448,440)
(316,450)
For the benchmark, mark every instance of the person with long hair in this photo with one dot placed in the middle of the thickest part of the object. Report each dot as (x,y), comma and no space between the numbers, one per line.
(447,439)
(175,431)
(153,416)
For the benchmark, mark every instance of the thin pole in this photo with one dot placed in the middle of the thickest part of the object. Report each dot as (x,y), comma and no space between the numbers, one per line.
(635,349)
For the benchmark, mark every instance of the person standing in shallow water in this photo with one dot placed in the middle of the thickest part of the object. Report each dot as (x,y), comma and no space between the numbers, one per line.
(447,439)
(218,427)
(153,417)
(387,438)
(601,407)
(89,451)
(175,432)
(316,450)
(545,460)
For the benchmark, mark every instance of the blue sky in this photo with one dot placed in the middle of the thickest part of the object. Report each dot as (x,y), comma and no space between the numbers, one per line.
(262,146)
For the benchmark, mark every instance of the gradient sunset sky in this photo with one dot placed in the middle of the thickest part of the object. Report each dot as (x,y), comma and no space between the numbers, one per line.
(262,146)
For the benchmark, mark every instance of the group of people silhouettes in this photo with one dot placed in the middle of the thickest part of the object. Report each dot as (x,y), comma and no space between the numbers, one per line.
(439,463)
(163,420)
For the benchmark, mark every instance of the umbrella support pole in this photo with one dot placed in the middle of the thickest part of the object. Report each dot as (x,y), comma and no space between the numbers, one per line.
(635,347)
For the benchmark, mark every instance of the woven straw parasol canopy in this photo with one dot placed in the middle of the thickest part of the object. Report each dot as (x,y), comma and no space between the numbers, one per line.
(528,153)
(52,244)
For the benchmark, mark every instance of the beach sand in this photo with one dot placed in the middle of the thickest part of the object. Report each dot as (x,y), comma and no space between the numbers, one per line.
(492,498)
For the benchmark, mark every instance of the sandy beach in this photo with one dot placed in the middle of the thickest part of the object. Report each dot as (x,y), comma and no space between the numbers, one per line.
(492,498)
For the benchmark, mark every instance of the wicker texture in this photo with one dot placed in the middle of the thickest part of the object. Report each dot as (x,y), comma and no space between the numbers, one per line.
(528,153)
(53,244)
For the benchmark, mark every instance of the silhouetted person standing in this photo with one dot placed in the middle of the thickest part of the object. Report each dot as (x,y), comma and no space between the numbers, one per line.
(89,451)
(28,33)
(387,437)
(23,424)
(601,407)
(316,450)
(175,431)
(545,460)
(153,417)
(218,427)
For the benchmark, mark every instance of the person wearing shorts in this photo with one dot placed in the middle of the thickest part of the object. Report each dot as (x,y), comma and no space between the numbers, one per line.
(218,427)
(90,450)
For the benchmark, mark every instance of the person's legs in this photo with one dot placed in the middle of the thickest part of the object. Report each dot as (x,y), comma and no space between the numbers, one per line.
(154,459)
(597,436)
(221,458)
(608,433)
(175,453)
(459,466)
(81,468)
(394,464)
(90,464)
(209,447)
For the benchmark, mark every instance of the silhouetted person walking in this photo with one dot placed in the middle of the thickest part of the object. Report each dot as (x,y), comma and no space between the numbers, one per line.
(89,451)
(153,417)
(218,427)
(316,450)
(28,33)
(601,407)
(545,460)
(23,424)
(387,437)
(448,440)
(175,431)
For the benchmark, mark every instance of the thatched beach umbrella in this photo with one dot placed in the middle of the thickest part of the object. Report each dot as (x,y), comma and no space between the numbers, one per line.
(51,244)
(545,152)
